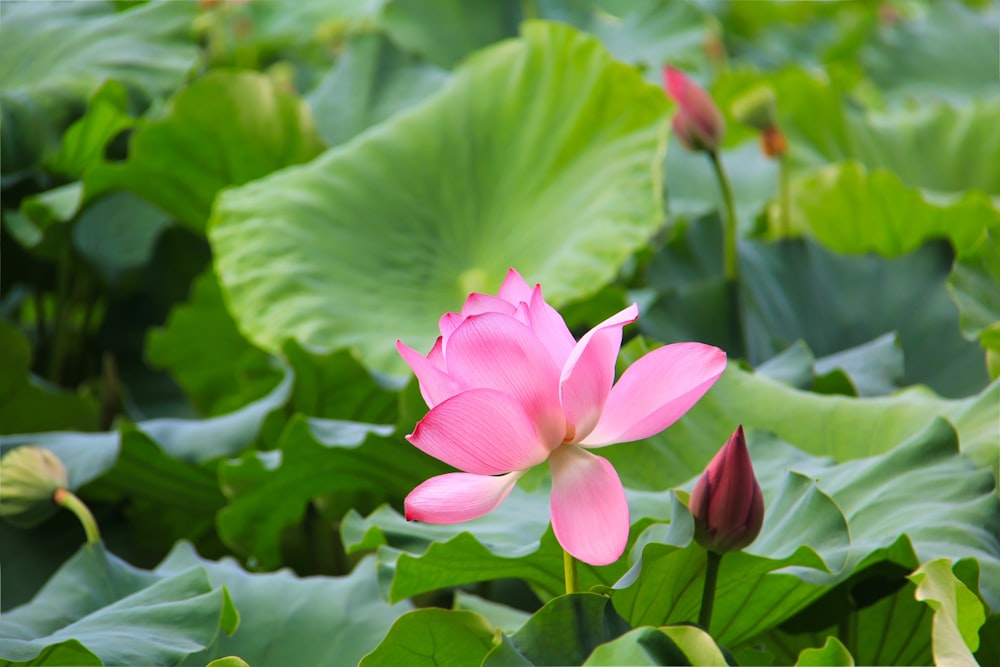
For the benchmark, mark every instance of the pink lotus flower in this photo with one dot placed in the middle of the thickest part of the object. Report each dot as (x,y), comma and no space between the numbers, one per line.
(726,502)
(509,388)
(698,123)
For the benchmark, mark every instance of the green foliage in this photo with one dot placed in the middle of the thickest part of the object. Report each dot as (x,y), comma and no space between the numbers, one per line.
(55,56)
(219,217)
(208,128)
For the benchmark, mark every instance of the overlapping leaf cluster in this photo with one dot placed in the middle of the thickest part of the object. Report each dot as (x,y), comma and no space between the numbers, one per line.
(218,217)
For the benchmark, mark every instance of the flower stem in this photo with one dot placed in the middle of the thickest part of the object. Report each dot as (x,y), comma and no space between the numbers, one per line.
(785,212)
(66,498)
(729,223)
(569,569)
(708,594)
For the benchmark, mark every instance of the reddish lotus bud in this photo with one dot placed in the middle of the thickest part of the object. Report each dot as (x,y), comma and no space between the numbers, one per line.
(698,122)
(727,504)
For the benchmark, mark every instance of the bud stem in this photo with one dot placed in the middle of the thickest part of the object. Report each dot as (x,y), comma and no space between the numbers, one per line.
(785,214)
(708,593)
(67,499)
(729,266)
(569,570)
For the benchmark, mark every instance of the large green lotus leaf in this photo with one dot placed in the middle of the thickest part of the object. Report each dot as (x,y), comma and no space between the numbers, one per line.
(958,613)
(371,81)
(935,50)
(222,372)
(434,637)
(540,153)
(123,615)
(25,404)
(446,31)
(54,55)
(287,621)
(226,129)
(851,210)
(357,465)
(934,146)
(563,632)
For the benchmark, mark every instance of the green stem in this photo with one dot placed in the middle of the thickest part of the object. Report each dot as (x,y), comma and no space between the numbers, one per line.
(66,498)
(785,213)
(708,594)
(569,569)
(729,223)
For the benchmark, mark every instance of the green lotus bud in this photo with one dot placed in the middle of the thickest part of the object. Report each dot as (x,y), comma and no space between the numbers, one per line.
(757,109)
(29,476)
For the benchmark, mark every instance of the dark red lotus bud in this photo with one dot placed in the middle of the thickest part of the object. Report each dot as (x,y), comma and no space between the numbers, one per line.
(698,123)
(727,504)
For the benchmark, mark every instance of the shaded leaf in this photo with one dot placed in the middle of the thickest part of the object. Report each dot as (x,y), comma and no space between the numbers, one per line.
(227,128)
(54,56)
(222,372)
(671,645)
(25,404)
(563,632)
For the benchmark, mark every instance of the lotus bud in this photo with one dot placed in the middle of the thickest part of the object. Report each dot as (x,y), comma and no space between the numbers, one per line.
(726,502)
(698,123)
(29,476)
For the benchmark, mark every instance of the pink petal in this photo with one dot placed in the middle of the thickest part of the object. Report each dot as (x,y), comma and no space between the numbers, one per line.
(497,351)
(482,431)
(656,390)
(550,327)
(457,496)
(449,322)
(514,290)
(435,384)
(477,304)
(589,510)
(590,371)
